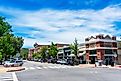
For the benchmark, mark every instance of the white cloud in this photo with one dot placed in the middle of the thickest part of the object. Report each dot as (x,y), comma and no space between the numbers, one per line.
(65,25)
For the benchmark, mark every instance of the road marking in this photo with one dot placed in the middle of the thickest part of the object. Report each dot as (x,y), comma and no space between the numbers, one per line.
(39,68)
(31,68)
(26,68)
(9,79)
(6,77)
(44,67)
(50,67)
(14,76)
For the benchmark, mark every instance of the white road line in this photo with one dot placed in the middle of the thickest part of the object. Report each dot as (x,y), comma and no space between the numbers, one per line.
(6,77)
(39,68)
(63,67)
(26,68)
(9,79)
(50,67)
(56,67)
(45,67)
(14,76)
(31,68)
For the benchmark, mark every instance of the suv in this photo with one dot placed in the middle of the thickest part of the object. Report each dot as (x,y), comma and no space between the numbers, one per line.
(13,63)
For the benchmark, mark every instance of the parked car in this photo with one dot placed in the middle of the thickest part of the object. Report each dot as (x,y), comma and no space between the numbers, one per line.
(13,63)
(62,62)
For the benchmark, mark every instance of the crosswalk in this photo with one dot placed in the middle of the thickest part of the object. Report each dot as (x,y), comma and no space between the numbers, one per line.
(6,77)
(50,67)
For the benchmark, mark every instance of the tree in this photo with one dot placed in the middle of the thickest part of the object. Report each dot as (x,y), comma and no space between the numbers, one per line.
(9,44)
(75,50)
(4,27)
(36,55)
(53,50)
(24,53)
(43,52)
(74,47)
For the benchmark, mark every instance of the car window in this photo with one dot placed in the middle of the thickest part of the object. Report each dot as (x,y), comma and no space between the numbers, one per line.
(12,61)
(18,61)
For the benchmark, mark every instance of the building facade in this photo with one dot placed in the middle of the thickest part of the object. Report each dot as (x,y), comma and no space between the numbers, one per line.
(82,53)
(37,48)
(63,52)
(100,47)
(119,52)
(31,51)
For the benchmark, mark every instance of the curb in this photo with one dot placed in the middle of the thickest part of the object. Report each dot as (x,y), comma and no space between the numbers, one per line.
(12,70)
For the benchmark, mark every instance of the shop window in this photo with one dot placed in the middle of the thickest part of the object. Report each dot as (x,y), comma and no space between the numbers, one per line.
(92,51)
(108,51)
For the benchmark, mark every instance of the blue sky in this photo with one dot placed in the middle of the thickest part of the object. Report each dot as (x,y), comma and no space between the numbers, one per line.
(61,21)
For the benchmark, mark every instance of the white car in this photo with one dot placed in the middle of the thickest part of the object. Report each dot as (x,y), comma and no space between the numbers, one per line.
(13,63)
(61,62)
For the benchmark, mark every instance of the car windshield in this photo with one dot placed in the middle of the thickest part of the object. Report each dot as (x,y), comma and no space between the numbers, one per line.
(12,61)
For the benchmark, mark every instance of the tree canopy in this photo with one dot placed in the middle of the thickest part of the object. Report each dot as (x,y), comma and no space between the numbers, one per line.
(24,53)
(9,44)
(53,50)
(74,47)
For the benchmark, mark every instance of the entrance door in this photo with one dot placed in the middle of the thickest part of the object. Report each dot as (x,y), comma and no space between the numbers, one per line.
(92,59)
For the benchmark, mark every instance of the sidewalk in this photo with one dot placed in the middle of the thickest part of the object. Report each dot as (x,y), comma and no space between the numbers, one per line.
(103,66)
(87,65)
(10,69)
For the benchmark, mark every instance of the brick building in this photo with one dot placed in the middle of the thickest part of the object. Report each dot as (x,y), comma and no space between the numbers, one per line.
(119,52)
(37,48)
(102,48)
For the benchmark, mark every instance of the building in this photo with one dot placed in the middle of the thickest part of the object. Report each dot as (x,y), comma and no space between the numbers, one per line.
(31,51)
(63,52)
(119,52)
(101,48)
(82,53)
(37,48)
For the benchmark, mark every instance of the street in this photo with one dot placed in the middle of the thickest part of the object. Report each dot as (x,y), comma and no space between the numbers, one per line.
(53,72)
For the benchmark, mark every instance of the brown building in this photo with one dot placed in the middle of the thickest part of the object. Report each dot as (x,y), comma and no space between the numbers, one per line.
(38,47)
(119,52)
(31,51)
(100,47)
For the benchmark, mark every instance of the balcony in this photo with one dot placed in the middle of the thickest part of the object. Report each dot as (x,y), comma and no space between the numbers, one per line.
(93,48)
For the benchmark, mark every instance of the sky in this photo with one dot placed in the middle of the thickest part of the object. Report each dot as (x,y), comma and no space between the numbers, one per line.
(61,21)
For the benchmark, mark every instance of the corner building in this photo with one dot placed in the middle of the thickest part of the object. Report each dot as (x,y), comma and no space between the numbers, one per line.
(100,47)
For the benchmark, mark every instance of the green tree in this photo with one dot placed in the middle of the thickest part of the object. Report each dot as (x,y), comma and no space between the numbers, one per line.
(53,50)
(74,47)
(4,27)
(43,52)
(9,44)
(36,55)
(24,53)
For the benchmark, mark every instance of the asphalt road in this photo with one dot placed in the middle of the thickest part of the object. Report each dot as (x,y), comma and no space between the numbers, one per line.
(67,73)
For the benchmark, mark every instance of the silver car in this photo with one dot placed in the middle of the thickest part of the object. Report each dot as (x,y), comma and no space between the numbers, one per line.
(13,63)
